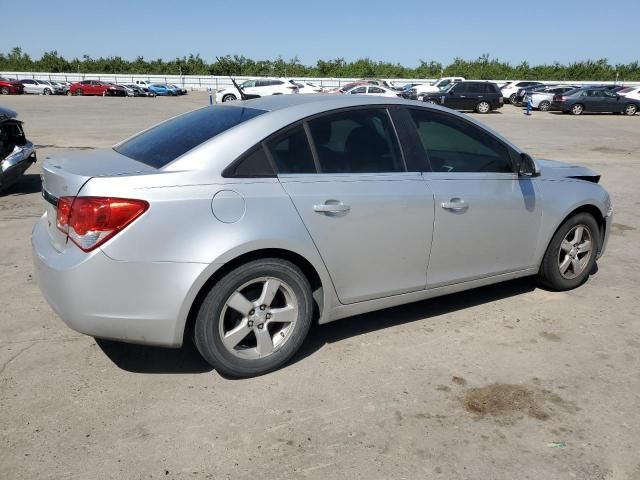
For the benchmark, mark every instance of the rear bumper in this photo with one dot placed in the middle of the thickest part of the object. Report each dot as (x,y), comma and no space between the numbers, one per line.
(136,302)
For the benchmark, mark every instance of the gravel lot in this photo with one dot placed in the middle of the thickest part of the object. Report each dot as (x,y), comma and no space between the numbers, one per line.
(503,382)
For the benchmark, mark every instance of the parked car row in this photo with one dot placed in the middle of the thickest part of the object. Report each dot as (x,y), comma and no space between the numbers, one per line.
(139,88)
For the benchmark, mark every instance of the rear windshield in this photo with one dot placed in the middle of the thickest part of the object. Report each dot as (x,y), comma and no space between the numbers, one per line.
(169,140)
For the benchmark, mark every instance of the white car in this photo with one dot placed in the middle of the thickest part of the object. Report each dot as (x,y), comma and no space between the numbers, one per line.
(40,87)
(510,90)
(542,99)
(630,92)
(143,83)
(306,87)
(435,86)
(260,86)
(372,90)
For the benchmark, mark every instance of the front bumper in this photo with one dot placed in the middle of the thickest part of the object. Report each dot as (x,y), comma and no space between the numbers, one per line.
(608,221)
(136,302)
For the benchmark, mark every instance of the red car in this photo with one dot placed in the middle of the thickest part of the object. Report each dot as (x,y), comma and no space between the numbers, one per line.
(8,87)
(96,87)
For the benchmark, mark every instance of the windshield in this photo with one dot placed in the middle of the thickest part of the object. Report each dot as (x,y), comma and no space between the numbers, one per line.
(169,140)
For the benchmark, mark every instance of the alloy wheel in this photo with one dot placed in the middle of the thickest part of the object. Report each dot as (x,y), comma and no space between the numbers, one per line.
(483,107)
(630,109)
(258,318)
(577,109)
(544,106)
(575,251)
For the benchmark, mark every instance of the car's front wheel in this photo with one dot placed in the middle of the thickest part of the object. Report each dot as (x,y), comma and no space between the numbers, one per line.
(571,253)
(4,91)
(630,109)
(228,98)
(254,318)
(512,98)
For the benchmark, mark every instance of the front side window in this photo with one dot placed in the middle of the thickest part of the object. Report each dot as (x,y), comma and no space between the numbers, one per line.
(291,152)
(454,145)
(375,90)
(356,141)
(358,90)
(169,140)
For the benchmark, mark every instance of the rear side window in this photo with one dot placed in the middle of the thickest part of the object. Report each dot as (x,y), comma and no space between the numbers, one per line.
(454,145)
(356,141)
(169,140)
(291,152)
(253,164)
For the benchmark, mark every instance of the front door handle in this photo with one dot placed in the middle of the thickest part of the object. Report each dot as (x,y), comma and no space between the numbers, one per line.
(331,207)
(456,205)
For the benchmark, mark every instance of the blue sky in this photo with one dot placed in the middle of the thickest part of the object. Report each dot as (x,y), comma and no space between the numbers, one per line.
(397,31)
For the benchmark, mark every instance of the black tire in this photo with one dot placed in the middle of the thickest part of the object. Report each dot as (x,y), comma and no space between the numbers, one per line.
(207,336)
(4,91)
(630,109)
(483,107)
(549,275)
(228,98)
(69,93)
(79,92)
(46,91)
(577,109)
(512,98)
(544,106)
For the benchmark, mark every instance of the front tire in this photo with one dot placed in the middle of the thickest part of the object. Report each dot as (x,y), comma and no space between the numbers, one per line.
(4,91)
(571,253)
(512,98)
(254,318)
(79,92)
(47,91)
(630,109)
(228,98)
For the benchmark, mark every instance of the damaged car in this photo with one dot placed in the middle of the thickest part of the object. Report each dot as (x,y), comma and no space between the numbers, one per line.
(16,152)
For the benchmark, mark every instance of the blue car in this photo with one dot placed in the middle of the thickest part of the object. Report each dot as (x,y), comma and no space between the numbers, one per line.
(162,89)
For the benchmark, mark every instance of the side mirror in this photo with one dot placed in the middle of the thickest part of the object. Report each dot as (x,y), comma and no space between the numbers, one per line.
(527,167)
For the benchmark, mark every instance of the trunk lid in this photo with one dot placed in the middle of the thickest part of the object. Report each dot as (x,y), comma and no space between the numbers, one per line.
(65,176)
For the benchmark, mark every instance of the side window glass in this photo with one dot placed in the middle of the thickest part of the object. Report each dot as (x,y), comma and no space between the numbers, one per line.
(356,141)
(358,90)
(254,164)
(375,90)
(291,152)
(454,145)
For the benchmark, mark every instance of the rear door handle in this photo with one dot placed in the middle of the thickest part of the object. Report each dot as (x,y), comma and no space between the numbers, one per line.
(456,204)
(327,207)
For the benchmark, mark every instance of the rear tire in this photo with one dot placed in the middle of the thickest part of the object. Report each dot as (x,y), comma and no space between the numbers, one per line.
(577,109)
(569,259)
(630,109)
(483,107)
(237,330)
(4,91)
(544,106)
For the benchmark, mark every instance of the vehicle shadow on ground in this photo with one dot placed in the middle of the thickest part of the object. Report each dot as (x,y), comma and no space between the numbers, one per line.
(29,183)
(145,359)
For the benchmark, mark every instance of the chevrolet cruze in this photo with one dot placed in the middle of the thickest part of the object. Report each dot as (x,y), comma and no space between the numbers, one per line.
(241,224)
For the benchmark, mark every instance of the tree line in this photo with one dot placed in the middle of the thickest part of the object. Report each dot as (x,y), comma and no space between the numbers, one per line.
(483,67)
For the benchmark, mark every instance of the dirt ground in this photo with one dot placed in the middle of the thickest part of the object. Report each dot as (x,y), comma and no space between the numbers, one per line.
(504,382)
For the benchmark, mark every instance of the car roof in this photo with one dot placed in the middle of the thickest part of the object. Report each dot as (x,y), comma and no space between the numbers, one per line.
(6,113)
(318,102)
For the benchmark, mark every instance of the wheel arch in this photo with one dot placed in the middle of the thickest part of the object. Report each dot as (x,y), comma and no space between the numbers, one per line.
(318,287)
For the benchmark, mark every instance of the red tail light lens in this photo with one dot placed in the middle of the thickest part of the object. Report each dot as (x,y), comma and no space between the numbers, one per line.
(91,221)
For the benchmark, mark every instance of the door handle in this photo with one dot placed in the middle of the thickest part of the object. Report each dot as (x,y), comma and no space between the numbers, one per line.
(338,207)
(456,205)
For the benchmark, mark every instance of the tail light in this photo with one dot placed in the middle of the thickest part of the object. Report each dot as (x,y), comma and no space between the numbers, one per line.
(558,98)
(91,221)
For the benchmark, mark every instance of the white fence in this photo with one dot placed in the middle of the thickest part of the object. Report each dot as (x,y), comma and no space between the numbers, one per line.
(193,82)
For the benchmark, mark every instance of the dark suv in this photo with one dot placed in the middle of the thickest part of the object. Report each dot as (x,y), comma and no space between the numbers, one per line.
(479,96)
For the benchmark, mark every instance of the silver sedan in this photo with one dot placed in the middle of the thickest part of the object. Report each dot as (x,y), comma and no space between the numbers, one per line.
(241,224)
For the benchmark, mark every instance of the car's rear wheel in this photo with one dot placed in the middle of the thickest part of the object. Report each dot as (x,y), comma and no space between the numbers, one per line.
(4,90)
(483,107)
(79,92)
(254,318)
(630,109)
(228,98)
(544,106)
(512,98)
(577,109)
(571,253)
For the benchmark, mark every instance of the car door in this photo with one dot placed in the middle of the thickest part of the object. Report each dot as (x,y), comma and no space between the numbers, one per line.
(593,100)
(456,96)
(487,218)
(370,218)
(29,86)
(611,102)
